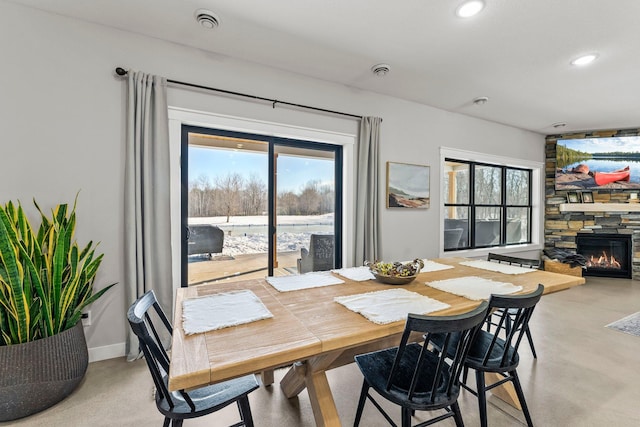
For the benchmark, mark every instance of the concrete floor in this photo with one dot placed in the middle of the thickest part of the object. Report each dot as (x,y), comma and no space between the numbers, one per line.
(585,375)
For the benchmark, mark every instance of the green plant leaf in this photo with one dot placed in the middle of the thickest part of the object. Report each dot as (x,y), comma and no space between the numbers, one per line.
(14,279)
(46,316)
(46,280)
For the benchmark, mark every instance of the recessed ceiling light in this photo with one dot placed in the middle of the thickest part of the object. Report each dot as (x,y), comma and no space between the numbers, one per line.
(470,8)
(559,125)
(207,19)
(584,59)
(481,100)
(380,70)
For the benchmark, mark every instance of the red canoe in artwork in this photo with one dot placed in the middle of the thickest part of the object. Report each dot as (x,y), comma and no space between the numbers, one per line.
(603,178)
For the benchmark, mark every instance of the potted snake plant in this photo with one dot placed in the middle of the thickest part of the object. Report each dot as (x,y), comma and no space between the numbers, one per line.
(46,280)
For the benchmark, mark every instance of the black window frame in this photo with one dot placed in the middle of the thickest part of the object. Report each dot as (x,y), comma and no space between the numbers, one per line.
(503,206)
(272,142)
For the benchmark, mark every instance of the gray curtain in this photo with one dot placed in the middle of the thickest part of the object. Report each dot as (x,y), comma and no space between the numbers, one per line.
(367,207)
(147,225)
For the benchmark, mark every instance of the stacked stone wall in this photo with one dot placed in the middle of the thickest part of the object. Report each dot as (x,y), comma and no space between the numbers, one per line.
(561,228)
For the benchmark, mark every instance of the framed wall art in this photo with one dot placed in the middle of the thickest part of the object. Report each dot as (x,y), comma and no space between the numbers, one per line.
(407,185)
(573,197)
(587,197)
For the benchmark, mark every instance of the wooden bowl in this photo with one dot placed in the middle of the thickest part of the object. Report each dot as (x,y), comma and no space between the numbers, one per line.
(394,280)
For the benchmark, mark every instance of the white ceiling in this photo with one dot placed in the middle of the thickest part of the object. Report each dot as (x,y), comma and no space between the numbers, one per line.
(516,52)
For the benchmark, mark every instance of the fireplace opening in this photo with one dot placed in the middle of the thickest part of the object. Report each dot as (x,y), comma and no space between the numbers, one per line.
(608,255)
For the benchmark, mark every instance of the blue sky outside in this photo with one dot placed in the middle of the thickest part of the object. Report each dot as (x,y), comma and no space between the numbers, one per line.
(628,144)
(293,172)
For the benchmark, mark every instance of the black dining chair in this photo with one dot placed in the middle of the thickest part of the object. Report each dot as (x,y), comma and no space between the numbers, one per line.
(413,376)
(489,352)
(180,405)
(520,262)
(511,260)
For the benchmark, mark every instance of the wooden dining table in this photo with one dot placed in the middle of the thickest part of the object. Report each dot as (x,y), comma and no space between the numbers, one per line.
(311,333)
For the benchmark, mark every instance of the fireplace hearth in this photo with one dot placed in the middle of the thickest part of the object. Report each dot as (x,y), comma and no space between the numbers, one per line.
(608,255)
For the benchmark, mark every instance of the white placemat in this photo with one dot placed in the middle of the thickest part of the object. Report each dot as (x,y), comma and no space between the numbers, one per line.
(434,266)
(221,311)
(303,281)
(359,274)
(390,305)
(475,288)
(430,266)
(497,267)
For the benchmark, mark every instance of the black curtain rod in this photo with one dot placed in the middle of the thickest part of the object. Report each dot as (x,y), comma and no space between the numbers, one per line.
(122,72)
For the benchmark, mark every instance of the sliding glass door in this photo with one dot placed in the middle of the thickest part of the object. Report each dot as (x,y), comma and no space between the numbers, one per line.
(255,205)
(305,206)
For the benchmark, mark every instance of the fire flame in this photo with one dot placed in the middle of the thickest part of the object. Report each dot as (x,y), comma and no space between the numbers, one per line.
(603,261)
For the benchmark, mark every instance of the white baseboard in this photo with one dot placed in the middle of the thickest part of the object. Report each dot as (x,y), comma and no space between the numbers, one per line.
(106,352)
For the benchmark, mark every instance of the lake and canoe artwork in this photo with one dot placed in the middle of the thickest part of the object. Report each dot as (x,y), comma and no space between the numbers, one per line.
(407,185)
(598,163)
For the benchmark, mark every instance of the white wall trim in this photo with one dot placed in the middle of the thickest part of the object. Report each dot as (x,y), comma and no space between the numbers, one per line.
(537,200)
(260,127)
(488,158)
(112,351)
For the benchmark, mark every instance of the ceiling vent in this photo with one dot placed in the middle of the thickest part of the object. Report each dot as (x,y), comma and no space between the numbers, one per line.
(380,70)
(481,100)
(207,19)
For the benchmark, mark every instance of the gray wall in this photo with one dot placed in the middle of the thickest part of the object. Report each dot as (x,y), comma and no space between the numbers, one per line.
(62,123)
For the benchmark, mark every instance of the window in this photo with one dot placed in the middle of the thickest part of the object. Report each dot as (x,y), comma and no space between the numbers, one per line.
(486,205)
(268,196)
(180,117)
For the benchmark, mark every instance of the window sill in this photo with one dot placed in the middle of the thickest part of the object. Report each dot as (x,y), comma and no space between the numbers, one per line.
(483,252)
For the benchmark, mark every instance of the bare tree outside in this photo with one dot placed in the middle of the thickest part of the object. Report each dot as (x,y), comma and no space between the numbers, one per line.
(229,188)
(327,198)
(309,198)
(288,203)
(517,187)
(233,195)
(254,196)
(488,185)
(200,196)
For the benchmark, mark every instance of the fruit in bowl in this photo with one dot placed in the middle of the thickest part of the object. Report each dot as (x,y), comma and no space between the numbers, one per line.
(395,273)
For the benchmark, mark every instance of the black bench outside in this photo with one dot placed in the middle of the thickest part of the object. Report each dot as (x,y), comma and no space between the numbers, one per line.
(204,239)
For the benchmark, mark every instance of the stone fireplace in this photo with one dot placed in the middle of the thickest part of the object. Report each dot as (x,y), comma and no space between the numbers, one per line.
(609,217)
(607,255)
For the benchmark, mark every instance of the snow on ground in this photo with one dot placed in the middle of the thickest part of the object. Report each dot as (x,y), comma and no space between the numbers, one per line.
(248,234)
(263,219)
(257,243)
